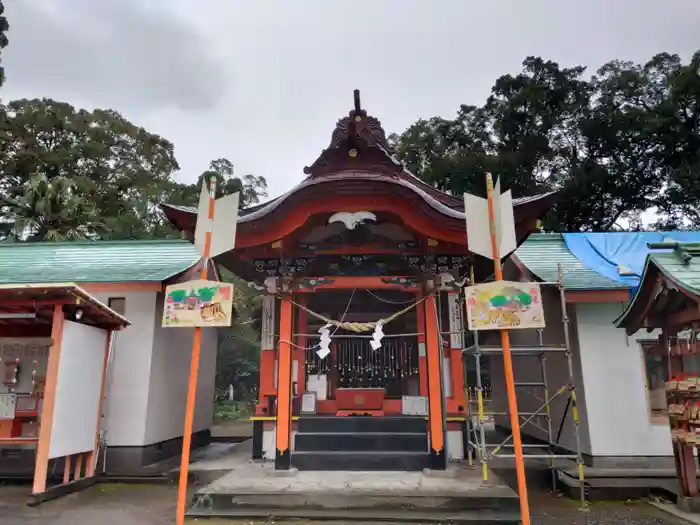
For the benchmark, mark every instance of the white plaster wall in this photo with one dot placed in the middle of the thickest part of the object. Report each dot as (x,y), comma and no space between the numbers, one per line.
(613,371)
(169,373)
(128,380)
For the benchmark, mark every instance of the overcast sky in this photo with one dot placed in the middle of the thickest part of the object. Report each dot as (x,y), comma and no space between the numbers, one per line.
(263,82)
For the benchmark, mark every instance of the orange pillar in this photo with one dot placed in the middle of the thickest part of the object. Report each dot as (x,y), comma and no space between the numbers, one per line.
(46,423)
(436,409)
(283,434)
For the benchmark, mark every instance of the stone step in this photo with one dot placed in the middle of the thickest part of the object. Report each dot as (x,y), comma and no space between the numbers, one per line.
(356,501)
(360,461)
(358,424)
(367,517)
(365,441)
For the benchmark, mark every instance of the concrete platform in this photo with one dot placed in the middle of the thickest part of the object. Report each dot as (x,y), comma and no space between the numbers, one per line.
(254,489)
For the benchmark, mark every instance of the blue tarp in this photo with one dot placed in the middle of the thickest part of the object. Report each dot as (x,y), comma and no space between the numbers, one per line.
(611,253)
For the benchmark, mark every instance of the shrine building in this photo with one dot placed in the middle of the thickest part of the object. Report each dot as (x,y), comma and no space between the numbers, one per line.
(359,241)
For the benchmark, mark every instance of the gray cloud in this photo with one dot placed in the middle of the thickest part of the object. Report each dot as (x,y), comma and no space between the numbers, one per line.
(128,52)
(264,81)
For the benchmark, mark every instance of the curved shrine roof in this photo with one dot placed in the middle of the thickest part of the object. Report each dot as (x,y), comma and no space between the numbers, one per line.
(358,169)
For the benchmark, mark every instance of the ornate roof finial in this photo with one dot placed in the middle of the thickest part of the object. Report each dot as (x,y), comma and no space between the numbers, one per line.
(359,125)
(356,98)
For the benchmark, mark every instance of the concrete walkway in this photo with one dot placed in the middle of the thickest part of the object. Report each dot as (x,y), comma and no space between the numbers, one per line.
(155,505)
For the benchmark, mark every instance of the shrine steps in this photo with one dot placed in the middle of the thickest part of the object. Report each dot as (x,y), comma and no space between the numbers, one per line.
(361,443)
(360,461)
(257,492)
(478,517)
(353,424)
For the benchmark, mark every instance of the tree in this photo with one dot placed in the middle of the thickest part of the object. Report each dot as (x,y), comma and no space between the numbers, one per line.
(252,188)
(112,170)
(49,210)
(4,28)
(238,356)
(679,149)
(68,173)
(614,145)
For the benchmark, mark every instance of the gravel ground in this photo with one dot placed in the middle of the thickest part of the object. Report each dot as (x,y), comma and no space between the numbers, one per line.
(549,510)
(155,505)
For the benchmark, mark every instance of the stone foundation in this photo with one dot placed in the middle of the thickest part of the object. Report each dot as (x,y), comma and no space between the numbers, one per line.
(143,460)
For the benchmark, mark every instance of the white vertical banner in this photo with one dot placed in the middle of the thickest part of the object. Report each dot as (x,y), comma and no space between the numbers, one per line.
(267,329)
(476,212)
(223,232)
(223,226)
(454,307)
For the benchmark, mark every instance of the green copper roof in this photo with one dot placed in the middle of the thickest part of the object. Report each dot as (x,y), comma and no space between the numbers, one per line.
(94,261)
(680,265)
(542,252)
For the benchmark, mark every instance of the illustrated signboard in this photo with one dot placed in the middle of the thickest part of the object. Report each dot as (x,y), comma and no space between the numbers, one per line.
(198,303)
(504,305)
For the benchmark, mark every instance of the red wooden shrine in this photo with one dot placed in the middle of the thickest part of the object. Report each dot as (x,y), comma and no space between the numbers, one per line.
(357,240)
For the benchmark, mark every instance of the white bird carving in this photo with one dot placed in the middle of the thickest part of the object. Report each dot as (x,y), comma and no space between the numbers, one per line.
(352,220)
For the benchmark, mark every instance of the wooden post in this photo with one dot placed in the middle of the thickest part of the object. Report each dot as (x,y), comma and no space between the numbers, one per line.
(78,467)
(194,372)
(67,461)
(47,413)
(508,368)
(91,463)
(283,428)
(436,416)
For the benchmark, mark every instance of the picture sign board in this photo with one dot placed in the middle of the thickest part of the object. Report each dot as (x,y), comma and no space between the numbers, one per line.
(198,303)
(504,305)
(8,405)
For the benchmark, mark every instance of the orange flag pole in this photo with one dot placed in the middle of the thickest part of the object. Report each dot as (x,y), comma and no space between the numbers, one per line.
(508,367)
(194,371)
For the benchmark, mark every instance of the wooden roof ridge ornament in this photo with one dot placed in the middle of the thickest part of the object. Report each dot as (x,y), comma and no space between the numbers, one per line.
(353,135)
(358,124)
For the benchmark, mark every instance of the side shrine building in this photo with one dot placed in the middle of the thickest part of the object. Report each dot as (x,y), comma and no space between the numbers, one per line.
(359,242)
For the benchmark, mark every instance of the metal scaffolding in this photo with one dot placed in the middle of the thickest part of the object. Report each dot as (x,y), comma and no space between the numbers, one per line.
(485,452)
